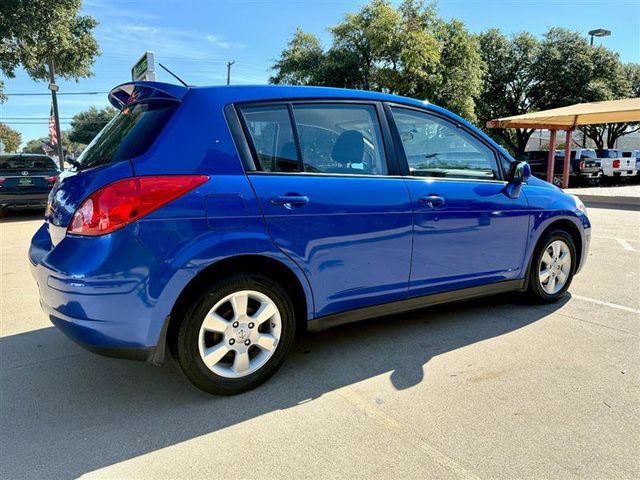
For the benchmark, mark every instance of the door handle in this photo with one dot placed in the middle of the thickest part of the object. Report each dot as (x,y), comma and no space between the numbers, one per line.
(433,201)
(290,201)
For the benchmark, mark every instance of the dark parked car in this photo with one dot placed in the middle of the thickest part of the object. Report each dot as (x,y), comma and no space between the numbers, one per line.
(26,180)
(583,168)
(286,208)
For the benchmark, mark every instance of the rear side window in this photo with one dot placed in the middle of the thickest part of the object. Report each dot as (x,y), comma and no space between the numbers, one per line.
(272,137)
(128,135)
(340,139)
(437,148)
(333,138)
(19,162)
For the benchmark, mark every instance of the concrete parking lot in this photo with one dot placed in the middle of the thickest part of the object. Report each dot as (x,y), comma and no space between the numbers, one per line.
(485,389)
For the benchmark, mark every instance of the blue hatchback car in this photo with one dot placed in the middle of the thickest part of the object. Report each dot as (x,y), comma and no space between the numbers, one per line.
(213,223)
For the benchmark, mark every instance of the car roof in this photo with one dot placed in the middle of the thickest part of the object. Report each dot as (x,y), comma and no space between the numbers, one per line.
(124,93)
(240,93)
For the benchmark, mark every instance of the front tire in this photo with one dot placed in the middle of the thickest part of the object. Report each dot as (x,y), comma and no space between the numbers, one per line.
(236,335)
(552,267)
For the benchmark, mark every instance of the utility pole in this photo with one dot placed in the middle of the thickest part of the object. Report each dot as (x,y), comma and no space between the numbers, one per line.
(54,99)
(229,71)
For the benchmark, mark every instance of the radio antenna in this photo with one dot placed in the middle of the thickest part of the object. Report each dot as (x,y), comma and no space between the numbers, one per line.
(174,75)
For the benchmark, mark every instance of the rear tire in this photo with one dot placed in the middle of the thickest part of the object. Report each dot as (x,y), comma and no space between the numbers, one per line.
(236,334)
(552,267)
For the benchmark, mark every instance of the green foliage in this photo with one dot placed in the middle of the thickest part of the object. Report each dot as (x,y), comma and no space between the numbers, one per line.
(70,147)
(524,75)
(10,138)
(86,125)
(3,97)
(32,31)
(509,83)
(35,145)
(406,50)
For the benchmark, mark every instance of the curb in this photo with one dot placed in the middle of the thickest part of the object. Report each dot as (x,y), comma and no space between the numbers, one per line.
(603,201)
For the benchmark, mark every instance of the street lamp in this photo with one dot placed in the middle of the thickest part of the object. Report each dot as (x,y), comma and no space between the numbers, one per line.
(599,32)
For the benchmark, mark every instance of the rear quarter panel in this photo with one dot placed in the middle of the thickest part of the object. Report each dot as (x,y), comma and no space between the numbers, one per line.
(219,219)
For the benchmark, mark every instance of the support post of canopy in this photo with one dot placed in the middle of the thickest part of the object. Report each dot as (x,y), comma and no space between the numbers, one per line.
(567,158)
(551,160)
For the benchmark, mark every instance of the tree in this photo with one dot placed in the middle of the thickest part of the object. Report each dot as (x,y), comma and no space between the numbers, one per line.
(86,125)
(526,75)
(406,50)
(300,62)
(33,31)
(35,145)
(10,138)
(461,70)
(70,147)
(509,82)
(625,83)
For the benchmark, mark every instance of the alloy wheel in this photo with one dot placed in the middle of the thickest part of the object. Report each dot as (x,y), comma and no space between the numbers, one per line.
(239,334)
(555,267)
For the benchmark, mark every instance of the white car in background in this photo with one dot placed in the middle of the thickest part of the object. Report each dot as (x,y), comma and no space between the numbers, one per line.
(614,164)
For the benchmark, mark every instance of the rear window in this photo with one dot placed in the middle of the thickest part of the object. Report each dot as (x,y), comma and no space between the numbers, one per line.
(18,162)
(128,135)
(608,153)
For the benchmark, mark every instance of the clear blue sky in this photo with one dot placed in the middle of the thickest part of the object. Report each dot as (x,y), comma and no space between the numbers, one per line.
(195,38)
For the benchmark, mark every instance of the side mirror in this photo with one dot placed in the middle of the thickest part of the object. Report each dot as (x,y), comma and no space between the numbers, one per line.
(520,172)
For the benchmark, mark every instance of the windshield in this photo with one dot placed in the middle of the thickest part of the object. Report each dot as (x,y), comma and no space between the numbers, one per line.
(128,135)
(30,162)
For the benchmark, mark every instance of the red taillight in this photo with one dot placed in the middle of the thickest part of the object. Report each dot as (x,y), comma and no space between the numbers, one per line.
(125,201)
(616,164)
(52,179)
(582,164)
(2,179)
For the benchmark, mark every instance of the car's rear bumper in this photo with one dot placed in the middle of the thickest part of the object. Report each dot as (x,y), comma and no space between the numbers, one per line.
(109,294)
(590,174)
(23,201)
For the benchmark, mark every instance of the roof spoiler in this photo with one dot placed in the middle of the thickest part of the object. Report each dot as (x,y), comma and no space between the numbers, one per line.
(131,93)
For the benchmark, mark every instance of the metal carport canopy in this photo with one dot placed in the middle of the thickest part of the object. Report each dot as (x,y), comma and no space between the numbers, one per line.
(564,118)
(568,118)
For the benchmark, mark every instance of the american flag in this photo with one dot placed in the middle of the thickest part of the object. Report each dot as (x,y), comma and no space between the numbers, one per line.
(52,128)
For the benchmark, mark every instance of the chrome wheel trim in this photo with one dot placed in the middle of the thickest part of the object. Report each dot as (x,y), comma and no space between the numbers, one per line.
(244,339)
(557,180)
(555,267)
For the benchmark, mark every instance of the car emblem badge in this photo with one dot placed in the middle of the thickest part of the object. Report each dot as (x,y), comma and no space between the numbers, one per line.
(242,333)
(24,172)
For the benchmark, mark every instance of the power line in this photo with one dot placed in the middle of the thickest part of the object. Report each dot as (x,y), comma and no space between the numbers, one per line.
(26,94)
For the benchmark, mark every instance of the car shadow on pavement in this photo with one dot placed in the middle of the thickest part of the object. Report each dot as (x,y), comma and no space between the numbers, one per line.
(66,412)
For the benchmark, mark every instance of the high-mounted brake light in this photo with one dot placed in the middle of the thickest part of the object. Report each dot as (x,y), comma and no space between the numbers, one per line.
(119,203)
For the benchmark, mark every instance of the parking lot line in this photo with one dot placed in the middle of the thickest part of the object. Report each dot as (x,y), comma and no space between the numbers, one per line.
(372,411)
(625,244)
(606,304)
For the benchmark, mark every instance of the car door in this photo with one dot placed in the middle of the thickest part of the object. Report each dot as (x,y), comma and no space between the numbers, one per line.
(330,200)
(467,230)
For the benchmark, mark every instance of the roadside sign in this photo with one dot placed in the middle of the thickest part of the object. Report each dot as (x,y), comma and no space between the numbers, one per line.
(145,68)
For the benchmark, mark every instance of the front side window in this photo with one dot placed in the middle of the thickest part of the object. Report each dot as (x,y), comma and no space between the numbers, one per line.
(342,139)
(437,148)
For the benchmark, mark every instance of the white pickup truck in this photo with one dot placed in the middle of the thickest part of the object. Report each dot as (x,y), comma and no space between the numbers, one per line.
(614,164)
(633,154)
